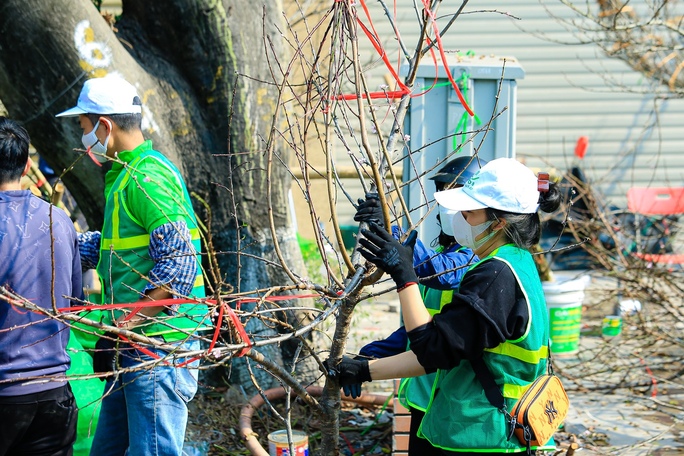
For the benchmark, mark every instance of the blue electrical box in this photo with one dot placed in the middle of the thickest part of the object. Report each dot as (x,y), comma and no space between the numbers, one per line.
(439,128)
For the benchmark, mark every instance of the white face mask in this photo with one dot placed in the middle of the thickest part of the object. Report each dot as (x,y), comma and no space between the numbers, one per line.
(91,143)
(465,234)
(445,216)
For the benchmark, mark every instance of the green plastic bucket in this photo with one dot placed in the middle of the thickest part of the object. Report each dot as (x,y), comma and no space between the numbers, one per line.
(564,299)
(612,326)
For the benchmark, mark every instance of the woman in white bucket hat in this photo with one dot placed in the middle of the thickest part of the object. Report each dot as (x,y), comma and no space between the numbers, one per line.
(497,319)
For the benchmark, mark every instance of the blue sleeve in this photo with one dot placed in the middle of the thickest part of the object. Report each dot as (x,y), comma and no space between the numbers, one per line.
(442,271)
(89,248)
(394,344)
(175,259)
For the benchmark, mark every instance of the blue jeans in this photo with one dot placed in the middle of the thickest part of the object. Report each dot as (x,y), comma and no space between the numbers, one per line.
(145,413)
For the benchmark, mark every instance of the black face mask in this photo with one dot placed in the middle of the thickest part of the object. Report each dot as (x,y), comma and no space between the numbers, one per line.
(443,239)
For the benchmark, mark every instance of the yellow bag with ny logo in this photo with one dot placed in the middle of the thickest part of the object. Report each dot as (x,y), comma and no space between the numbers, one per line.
(540,411)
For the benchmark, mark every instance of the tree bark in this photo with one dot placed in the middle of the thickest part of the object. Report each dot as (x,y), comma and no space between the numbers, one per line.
(200,68)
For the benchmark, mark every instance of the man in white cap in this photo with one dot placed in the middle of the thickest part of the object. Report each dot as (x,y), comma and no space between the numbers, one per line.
(147,251)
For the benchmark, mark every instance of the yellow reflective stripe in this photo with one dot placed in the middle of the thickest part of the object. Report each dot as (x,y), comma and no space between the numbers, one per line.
(133,242)
(512,391)
(195,234)
(433,312)
(199,281)
(522,354)
(447,296)
(115,217)
(127,170)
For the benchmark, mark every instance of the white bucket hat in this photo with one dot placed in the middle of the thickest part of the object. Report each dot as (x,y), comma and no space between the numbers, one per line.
(108,95)
(504,184)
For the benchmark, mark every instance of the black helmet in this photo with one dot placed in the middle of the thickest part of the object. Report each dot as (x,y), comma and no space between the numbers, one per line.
(459,170)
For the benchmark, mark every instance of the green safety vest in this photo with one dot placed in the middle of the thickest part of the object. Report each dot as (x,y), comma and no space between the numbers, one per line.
(459,417)
(124,258)
(415,392)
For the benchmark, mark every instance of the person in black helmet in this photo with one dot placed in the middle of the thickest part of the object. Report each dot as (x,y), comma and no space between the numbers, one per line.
(443,267)
(440,272)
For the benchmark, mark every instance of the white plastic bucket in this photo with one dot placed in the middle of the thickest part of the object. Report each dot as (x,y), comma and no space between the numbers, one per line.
(564,297)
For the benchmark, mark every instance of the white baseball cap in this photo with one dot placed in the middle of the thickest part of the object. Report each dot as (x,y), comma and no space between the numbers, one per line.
(504,184)
(109,95)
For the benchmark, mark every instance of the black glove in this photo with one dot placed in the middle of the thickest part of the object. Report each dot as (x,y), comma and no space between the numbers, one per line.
(104,358)
(396,259)
(349,372)
(369,210)
(352,390)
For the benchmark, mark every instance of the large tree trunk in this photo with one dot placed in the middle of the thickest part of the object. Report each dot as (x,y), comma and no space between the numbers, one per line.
(198,66)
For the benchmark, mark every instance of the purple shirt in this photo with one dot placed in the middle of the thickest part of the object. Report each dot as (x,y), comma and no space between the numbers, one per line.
(32,345)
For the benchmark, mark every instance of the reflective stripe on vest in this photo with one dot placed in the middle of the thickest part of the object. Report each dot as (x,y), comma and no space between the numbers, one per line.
(415,392)
(459,417)
(124,258)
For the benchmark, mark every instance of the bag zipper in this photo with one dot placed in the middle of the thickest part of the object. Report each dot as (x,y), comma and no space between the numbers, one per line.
(525,420)
(522,399)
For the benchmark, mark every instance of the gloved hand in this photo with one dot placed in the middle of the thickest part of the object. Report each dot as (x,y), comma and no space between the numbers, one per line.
(104,358)
(355,390)
(387,253)
(349,372)
(369,210)
(352,390)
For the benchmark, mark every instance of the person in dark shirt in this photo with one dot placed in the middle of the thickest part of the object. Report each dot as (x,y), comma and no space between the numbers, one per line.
(440,272)
(498,316)
(41,263)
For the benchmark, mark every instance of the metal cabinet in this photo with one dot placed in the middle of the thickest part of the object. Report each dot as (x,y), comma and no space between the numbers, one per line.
(439,128)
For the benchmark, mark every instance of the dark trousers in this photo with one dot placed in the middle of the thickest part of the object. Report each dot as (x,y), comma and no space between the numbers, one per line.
(418,446)
(39,424)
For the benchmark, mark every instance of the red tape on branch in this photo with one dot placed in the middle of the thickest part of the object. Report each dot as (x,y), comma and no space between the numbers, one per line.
(654,393)
(440,46)
(240,330)
(403,89)
(375,41)
(242,333)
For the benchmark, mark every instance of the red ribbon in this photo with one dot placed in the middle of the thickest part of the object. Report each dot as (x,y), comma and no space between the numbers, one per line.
(242,333)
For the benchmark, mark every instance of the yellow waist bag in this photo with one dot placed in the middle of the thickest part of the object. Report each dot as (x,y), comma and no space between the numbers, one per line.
(538,413)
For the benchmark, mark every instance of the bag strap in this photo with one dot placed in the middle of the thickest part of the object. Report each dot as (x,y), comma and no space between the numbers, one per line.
(491,389)
(494,394)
